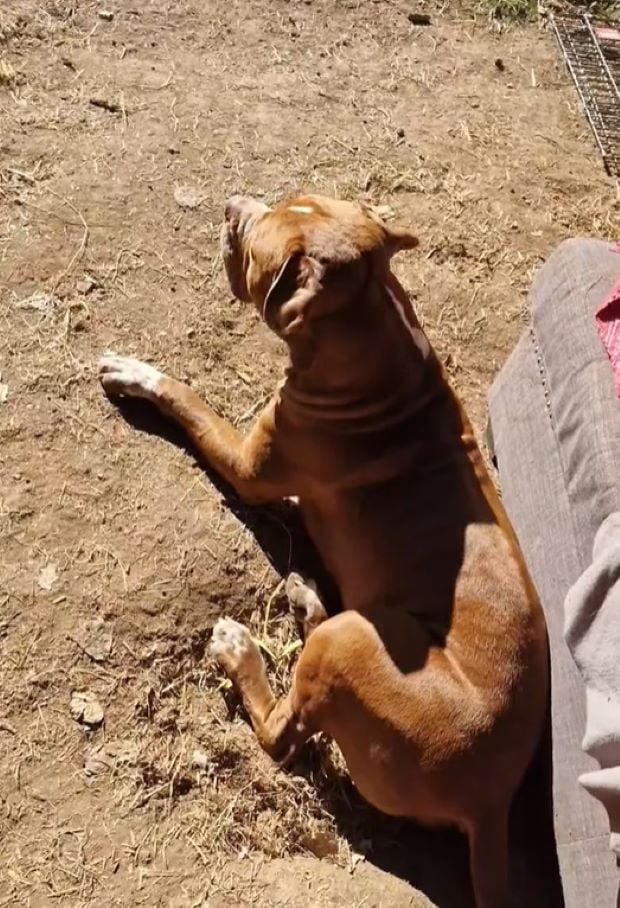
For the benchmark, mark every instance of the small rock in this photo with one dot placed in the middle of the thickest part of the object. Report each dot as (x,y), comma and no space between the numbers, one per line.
(4,392)
(499,65)
(400,132)
(200,760)
(385,212)
(186,197)
(86,709)
(39,301)
(87,285)
(47,577)
(105,14)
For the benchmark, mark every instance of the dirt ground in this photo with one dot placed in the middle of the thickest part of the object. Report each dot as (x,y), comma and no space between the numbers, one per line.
(123,127)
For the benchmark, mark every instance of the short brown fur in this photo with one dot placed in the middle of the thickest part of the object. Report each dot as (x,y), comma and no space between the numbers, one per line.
(434,679)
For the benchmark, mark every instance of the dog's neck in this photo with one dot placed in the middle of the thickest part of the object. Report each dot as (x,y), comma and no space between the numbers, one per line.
(369,362)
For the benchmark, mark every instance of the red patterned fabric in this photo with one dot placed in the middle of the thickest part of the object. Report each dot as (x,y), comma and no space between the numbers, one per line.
(608,327)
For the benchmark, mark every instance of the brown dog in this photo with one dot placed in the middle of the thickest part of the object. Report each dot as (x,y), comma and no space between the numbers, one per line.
(433,681)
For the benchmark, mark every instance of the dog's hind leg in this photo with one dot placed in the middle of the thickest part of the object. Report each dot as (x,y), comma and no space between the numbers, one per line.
(488,858)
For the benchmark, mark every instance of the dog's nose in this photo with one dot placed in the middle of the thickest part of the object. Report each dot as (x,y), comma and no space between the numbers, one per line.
(242,209)
(234,206)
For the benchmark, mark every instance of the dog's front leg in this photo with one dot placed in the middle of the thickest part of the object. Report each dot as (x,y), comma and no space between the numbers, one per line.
(251,464)
(280,725)
(276,722)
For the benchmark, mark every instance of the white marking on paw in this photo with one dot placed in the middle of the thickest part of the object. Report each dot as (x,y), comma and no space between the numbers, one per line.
(303,597)
(418,336)
(230,640)
(129,376)
(301,209)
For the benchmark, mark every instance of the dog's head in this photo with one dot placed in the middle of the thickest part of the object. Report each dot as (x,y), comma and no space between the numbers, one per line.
(306,258)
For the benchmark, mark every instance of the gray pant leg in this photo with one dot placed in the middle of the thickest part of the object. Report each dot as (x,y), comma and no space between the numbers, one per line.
(556,432)
(585,412)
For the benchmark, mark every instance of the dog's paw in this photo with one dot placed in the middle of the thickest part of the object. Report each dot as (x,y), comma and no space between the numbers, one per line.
(304,601)
(233,648)
(128,377)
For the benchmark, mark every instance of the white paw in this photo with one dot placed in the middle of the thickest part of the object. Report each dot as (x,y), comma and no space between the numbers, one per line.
(231,645)
(304,599)
(295,584)
(128,376)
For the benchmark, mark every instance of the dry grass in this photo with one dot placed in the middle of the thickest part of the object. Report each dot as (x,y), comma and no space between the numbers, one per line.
(520,11)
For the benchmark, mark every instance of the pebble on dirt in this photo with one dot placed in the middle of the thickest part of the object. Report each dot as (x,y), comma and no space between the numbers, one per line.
(200,760)
(87,285)
(39,301)
(186,197)
(47,577)
(86,709)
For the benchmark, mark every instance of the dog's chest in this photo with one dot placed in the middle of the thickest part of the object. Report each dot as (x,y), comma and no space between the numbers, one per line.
(379,550)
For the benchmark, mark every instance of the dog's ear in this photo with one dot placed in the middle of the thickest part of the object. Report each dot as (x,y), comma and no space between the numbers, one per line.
(398,238)
(293,288)
(395,238)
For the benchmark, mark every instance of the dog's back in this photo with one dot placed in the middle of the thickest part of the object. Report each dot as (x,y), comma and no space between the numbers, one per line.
(398,501)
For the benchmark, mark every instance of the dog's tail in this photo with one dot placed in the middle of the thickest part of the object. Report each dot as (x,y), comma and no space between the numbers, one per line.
(488,858)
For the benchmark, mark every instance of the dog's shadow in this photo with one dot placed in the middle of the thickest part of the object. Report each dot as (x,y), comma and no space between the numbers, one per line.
(277,529)
(435,862)
(432,861)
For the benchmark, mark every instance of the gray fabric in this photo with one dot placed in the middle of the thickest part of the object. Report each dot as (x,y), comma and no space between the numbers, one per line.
(592,631)
(555,430)
(579,383)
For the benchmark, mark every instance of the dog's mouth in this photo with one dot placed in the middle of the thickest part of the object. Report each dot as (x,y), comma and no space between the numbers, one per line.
(232,257)
(240,217)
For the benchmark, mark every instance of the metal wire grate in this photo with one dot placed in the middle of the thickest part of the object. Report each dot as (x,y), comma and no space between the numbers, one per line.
(592,54)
